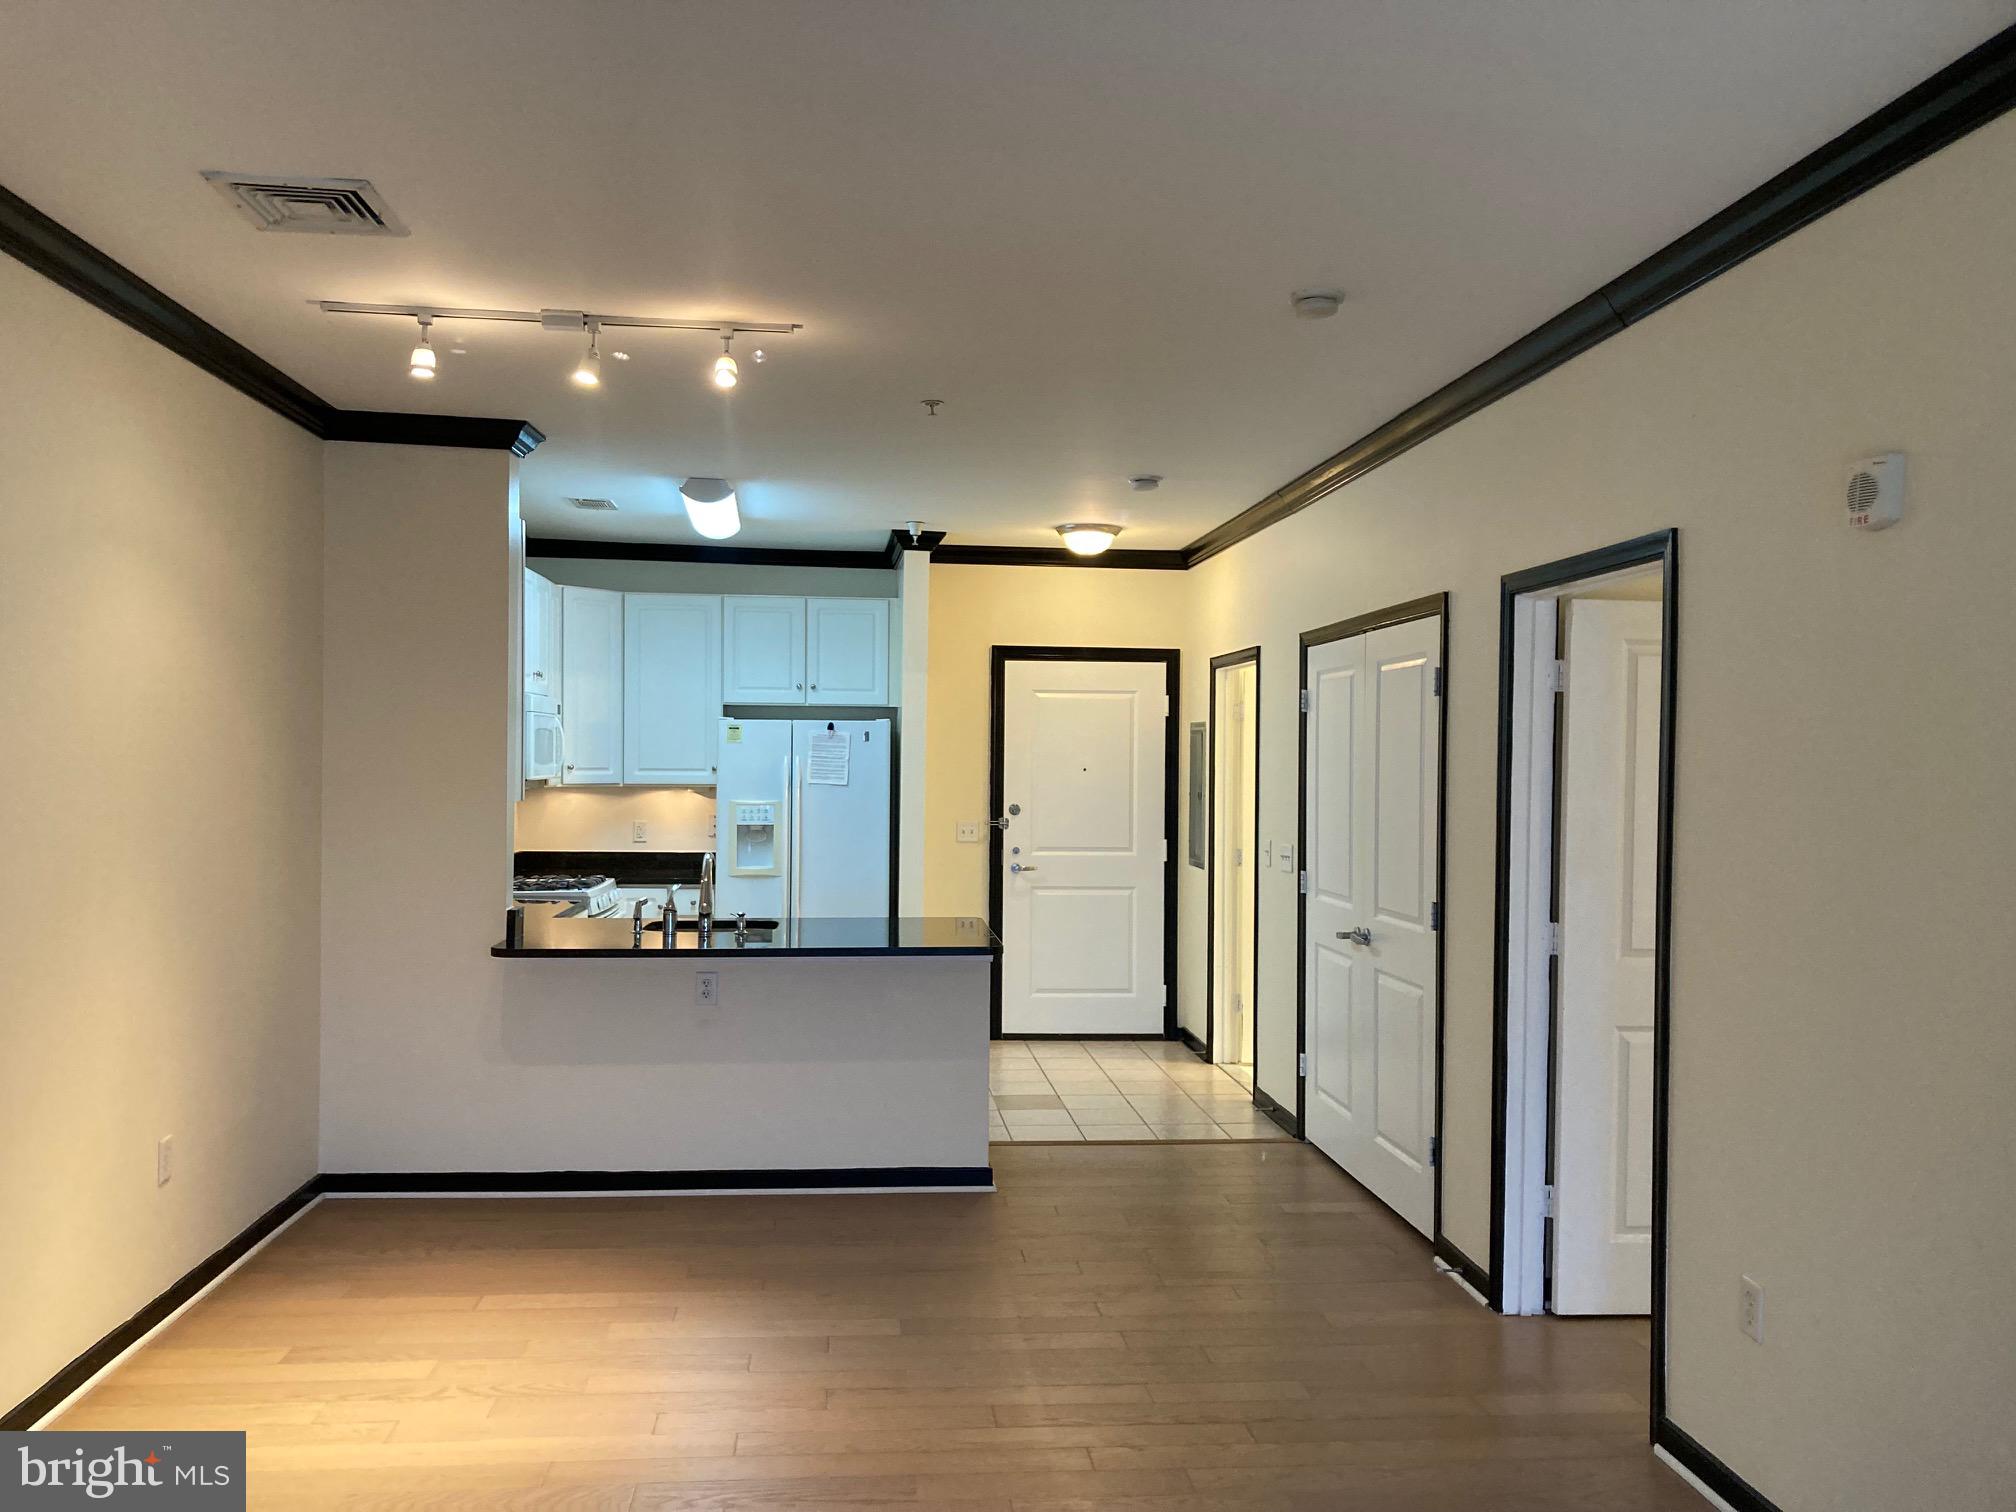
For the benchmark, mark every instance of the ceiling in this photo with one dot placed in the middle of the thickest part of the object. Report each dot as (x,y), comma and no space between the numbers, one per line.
(1077,222)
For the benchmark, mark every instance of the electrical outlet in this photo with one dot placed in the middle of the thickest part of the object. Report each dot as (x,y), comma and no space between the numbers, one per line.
(164,1160)
(1751,1318)
(707,988)
(640,832)
(969,831)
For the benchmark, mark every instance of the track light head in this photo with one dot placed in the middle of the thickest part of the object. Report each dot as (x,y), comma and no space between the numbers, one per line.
(421,363)
(588,372)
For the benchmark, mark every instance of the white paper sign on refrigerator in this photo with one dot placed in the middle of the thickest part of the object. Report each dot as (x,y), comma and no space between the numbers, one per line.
(826,763)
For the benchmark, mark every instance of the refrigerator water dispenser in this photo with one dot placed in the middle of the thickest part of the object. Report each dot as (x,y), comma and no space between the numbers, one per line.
(754,846)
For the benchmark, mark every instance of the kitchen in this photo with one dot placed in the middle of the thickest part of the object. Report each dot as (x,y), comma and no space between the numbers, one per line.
(710,781)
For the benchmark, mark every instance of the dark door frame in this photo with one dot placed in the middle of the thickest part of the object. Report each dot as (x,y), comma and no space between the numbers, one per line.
(1661,549)
(1434,605)
(1219,664)
(1172,663)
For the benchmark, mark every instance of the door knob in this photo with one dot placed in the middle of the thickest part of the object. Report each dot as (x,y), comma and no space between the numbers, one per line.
(1358,936)
(1017,866)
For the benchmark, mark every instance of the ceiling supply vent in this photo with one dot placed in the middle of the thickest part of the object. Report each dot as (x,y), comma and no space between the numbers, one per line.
(593,503)
(325,206)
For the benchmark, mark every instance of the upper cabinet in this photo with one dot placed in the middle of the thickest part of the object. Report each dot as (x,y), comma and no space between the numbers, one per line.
(763,649)
(778,650)
(671,687)
(591,707)
(542,637)
(847,650)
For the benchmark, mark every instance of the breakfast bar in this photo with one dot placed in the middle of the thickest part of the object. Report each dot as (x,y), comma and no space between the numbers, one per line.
(814,1053)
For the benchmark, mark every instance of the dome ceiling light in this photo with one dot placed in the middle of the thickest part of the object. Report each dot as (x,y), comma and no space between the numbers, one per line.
(1087,539)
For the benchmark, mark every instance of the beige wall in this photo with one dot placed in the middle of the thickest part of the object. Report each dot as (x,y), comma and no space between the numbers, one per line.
(160,639)
(1843,1040)
(974,609)
(592,819)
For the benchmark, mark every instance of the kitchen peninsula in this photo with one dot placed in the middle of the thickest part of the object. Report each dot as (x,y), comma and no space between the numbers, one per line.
(815,1053)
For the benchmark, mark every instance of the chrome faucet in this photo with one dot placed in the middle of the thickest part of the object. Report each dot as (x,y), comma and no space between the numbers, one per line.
(705,913)
(637,925)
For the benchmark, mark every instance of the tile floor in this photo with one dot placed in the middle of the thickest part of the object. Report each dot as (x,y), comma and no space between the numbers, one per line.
(1066,1091)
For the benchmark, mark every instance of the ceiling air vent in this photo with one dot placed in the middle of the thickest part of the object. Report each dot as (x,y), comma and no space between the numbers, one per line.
(328,206)
(593,503)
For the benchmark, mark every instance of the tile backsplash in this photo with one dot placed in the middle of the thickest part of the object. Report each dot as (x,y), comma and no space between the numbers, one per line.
(604,819)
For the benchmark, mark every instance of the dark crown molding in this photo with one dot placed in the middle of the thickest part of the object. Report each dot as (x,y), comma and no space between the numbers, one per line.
(667,551)
(1057,556)
(1958,99)
(66,259)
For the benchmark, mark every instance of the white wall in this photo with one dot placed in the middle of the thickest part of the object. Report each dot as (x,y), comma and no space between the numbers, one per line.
(1843,1040)
(160,643)
(716,577)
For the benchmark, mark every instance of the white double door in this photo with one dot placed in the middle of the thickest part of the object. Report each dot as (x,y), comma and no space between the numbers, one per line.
(1601,1259)
(1084,850)
(1372,757)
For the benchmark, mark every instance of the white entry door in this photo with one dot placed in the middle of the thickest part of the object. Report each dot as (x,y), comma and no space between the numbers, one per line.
(1372,750)
(1602,1240)
(1083,854)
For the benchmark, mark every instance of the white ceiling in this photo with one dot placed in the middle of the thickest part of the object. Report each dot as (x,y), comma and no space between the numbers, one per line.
(1075,221)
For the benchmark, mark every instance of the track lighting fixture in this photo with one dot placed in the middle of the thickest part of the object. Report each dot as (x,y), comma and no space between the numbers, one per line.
(1087,540)
(725,373)
(588,372)
(710,506)
(421,363)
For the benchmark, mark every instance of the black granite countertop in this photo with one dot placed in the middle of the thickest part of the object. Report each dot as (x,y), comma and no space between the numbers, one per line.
(539,931)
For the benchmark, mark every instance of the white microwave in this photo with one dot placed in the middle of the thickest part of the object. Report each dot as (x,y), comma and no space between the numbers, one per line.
(542,744)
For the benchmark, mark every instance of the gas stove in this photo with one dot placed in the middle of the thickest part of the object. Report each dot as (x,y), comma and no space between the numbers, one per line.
(584,894)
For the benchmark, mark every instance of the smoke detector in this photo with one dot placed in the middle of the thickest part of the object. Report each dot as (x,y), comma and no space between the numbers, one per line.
(593,503)
(325,206)
(1145,482)
(1315,304)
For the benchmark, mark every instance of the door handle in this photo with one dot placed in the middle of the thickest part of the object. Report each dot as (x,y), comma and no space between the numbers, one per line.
(1358,936)
(1017,866)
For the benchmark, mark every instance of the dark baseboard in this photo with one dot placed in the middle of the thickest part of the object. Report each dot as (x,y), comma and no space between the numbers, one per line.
(1464,1266)
(41,1401)
(1275,1111)
(411,1182)
(1193,1044)
(1713,1474)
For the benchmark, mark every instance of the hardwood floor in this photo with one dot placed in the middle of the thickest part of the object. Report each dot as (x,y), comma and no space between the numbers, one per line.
(1159,1328)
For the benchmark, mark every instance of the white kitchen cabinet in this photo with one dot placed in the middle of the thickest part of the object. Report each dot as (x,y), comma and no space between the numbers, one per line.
(591,705)
(671,687)
(847,650)
(542,636)
(763,649)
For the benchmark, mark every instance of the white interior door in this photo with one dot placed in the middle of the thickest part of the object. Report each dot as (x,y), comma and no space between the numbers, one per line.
(1082,884)
(1602,1238)
(1233,950)
(1372,748)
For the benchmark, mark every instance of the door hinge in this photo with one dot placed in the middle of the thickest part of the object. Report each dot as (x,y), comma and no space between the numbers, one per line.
(1553,939)
(1547,1202)
(1438,682)
(1434,1150)
(1303,701)
(1434,916)
(1557,677)
(1302,1064)
(1302,882)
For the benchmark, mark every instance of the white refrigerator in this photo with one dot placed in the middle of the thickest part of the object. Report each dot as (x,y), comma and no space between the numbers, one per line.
(802,819)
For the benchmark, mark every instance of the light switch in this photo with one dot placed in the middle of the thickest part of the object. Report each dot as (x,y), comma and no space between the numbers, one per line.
(639,832)
(1287,858)
(969,831)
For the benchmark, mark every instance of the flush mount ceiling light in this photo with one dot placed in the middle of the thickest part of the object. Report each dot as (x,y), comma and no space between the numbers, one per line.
(421,363)
(710,505)
(588,371)
(1315,304)
(725,373)
(1087,540)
